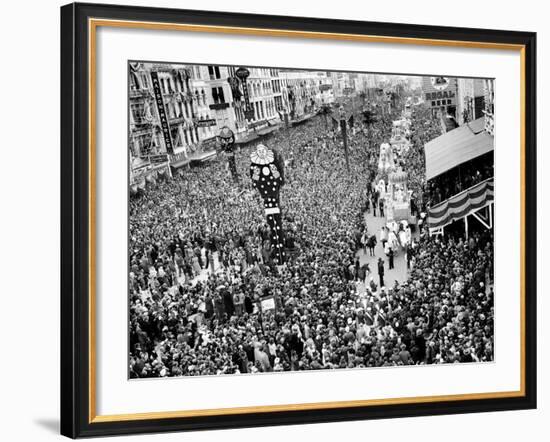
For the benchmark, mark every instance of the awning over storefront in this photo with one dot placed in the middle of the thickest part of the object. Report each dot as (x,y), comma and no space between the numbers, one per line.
(456,147)
(302,119)
(471,200)
(203,156)
(267,130)
(248,138)
(195,157)
(180,163)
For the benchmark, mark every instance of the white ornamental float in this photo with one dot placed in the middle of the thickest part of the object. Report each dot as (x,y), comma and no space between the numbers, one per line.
(398,197)
(400,135)
(385,162)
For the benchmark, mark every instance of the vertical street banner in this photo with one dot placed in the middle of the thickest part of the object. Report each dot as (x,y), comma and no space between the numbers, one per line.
(162,113)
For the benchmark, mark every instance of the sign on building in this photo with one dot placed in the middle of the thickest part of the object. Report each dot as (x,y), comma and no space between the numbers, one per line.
(206,123)
(439,91)
(165,126)
(158,159)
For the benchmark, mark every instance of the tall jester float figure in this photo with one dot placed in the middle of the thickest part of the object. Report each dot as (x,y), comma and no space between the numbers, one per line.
(267,173)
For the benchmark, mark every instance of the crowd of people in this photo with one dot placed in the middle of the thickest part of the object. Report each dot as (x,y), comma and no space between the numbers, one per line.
(206,297)
(460,178)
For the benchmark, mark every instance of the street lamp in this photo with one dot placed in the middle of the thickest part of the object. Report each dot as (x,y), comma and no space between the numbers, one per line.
(242,74)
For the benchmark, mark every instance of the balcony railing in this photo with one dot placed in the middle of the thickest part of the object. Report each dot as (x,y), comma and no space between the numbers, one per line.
(140,121)
(136,93)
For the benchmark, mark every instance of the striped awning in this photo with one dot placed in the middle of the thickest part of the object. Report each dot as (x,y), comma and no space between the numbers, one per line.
(462,204)
(456,147)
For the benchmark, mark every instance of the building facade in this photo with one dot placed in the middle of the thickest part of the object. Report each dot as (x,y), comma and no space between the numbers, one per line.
(306,91)
(261,85)
(176,111)
(470,103)
(489,95)
(163,96)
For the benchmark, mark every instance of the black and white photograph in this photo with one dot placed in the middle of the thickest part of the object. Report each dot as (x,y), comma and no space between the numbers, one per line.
(288,220)
(275,221)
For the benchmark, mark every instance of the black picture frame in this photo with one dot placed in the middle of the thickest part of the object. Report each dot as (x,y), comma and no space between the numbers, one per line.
(75,219)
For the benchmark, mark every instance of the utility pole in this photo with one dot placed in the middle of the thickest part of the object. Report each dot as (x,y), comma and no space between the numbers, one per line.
(326,111)
(287,127)
(344,135)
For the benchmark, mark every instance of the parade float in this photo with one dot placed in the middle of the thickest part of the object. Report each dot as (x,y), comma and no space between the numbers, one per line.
(391,184)
(397,212)
(400,135)
(398,197)
(386,162)
(386,165)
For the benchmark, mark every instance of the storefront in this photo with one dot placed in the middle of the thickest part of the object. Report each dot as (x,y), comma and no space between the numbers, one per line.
(148,172)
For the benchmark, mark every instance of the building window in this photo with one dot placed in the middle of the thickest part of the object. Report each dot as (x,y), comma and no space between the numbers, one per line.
(175,137)
(479,106)
(214,72)
(134,81)
(137,110)
(217,95)
(145,81)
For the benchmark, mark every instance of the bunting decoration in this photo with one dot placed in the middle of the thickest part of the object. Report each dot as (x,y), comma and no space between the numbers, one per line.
(457,207)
